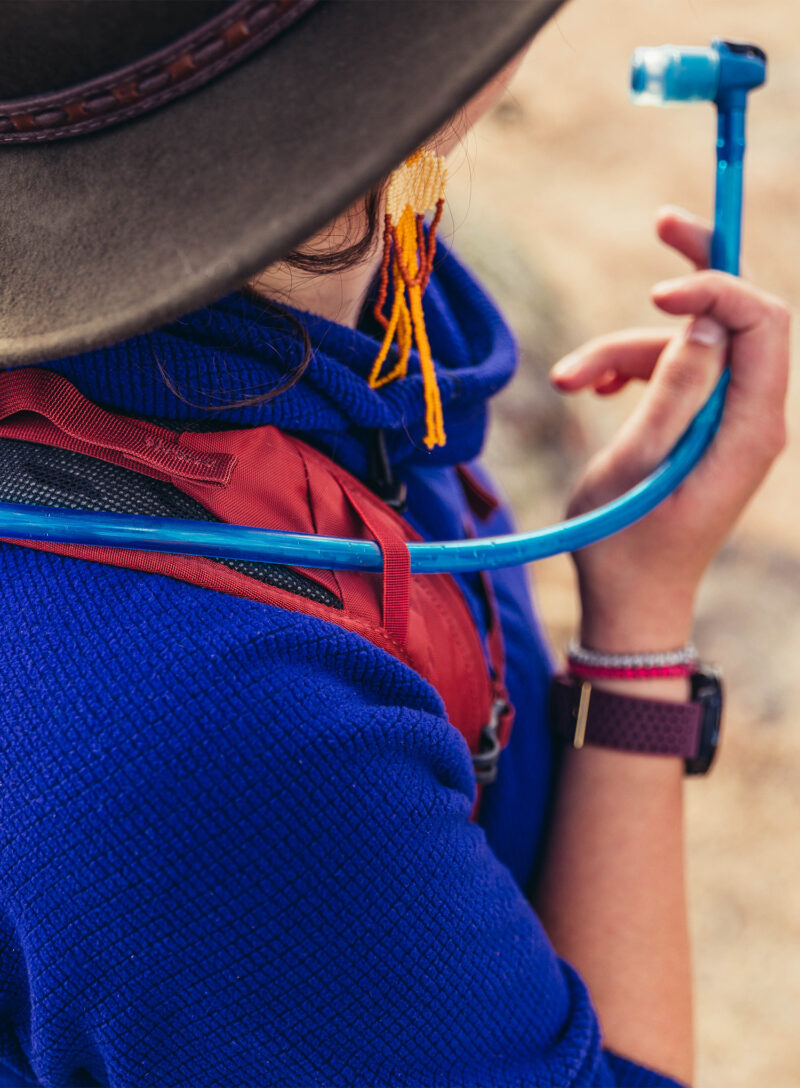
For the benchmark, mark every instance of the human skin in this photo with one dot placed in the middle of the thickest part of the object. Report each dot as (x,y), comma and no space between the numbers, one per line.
(611,894)
(612,888)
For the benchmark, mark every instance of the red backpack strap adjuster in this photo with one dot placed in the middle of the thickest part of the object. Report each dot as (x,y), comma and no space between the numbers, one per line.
(396,570)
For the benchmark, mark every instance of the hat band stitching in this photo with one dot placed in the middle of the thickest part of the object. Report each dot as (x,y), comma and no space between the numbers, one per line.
(154,80)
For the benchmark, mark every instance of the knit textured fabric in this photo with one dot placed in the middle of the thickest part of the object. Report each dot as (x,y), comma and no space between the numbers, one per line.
(237,847)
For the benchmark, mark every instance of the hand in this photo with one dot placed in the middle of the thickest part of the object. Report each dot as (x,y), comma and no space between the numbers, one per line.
(638,587)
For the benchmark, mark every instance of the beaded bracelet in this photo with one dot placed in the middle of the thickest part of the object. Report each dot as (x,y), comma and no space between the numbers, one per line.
(591,664)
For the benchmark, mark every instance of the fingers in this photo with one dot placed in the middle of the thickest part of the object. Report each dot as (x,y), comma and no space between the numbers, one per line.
(609,384)
(685,233)
(686,372)
(759,355)
(736,304)
(759,348)
(730,321)
(690,236)
(607,363)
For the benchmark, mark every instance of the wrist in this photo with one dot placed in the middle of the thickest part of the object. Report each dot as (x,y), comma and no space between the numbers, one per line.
(639,624)
(664,674)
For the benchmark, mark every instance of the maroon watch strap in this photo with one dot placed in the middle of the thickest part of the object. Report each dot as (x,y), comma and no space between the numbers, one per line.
(582,714)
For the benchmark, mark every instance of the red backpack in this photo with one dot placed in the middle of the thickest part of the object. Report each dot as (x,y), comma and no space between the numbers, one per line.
(261,476)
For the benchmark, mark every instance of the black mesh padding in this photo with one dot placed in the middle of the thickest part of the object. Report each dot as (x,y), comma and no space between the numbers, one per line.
(38,475)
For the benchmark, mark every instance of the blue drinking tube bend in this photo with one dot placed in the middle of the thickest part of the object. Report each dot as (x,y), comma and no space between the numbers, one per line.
(723,73)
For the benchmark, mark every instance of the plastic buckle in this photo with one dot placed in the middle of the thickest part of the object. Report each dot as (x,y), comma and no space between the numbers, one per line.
(486,759)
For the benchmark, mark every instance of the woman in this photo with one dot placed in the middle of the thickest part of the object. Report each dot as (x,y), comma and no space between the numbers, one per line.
(237,836)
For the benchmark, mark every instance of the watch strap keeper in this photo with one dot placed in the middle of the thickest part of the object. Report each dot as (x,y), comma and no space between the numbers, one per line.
(583,714)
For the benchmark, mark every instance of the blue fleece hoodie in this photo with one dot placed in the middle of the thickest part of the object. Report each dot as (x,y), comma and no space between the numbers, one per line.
(237,847)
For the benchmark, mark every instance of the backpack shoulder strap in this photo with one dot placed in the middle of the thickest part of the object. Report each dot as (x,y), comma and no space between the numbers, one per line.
(264,477)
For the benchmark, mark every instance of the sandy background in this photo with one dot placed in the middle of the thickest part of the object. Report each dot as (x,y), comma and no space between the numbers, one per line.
(561,182)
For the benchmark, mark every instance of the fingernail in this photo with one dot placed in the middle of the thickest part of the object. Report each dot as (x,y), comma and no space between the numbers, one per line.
(706,331)
(675,209)
(566,367)
(666,286)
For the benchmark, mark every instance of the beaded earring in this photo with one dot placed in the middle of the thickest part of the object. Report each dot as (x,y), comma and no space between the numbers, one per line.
(415,188)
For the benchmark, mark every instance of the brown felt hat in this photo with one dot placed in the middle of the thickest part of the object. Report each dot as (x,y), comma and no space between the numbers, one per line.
(154,154)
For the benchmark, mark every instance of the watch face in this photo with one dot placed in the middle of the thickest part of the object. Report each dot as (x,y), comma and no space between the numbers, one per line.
(707,691)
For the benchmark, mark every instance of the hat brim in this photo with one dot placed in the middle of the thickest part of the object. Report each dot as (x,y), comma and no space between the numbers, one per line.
(112,234)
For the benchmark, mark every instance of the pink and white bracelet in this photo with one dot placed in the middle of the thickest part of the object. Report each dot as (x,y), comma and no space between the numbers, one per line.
(592,664)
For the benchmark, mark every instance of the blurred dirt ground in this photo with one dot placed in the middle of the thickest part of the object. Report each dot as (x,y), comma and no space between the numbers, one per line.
(561,183)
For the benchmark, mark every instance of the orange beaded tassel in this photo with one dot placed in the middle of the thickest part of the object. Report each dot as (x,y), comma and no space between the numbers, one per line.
(414,188)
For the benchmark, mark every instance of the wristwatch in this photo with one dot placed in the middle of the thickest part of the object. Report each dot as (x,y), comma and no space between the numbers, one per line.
(584,715)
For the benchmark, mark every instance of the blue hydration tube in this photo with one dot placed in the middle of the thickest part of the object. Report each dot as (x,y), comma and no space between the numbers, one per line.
(724,73)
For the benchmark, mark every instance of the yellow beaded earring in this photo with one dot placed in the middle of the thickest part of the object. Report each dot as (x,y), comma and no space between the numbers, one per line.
(414,189)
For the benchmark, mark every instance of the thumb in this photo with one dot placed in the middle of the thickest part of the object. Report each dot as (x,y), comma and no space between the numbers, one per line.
(684,376)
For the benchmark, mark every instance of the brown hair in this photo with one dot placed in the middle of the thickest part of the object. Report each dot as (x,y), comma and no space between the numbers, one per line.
(322,263)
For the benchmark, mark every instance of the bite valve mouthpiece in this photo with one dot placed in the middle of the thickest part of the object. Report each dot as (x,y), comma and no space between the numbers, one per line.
(722,73)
